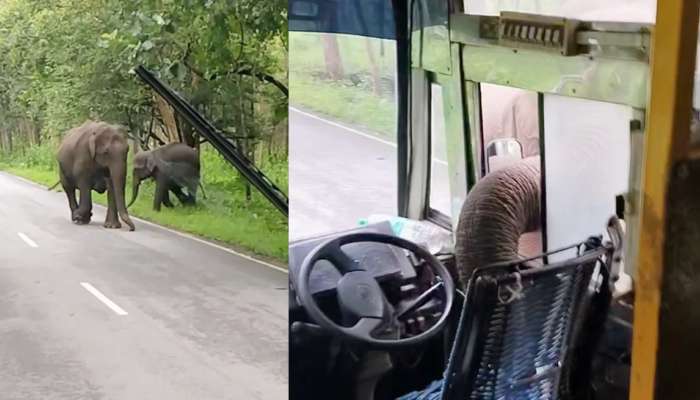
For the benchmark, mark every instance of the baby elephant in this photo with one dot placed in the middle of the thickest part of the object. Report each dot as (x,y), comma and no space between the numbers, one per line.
(174,166)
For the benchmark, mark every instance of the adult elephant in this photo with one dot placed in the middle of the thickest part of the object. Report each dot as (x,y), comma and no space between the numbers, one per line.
(173,167)
(93,157)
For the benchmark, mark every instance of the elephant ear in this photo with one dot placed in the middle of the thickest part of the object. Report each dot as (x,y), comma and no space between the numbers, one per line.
(98,145)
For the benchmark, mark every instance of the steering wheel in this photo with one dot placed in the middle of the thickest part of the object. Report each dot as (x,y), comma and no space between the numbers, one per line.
(360,296)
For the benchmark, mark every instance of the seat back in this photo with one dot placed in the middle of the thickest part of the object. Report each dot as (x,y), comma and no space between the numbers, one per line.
(527,333)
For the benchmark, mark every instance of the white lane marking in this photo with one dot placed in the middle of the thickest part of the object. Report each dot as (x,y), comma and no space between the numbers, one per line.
(355,131)
(27,240)
(109,303)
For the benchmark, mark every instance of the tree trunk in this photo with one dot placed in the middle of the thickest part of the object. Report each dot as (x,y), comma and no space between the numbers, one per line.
(167,115)
(37,133)
(4,141)
(279,141)
(187,132)
(374,68)
(136,143)
(22,127)
(331,55)
(160,135)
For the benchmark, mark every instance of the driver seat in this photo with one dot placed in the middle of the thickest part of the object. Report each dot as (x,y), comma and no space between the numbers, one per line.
(526,332)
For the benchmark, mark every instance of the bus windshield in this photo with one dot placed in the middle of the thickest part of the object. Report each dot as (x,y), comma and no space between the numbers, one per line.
(342,131)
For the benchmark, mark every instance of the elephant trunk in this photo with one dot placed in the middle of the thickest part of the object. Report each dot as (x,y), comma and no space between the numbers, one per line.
(498,210)
(119,183)
(136,183)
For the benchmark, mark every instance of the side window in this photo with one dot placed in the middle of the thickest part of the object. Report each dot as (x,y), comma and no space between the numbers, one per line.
(510,125)
(440,199)
(511,133)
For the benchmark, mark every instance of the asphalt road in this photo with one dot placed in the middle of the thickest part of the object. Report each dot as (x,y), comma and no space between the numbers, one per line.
(92,313)
(338,175)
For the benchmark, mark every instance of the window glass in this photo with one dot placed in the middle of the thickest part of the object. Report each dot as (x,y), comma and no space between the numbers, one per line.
(642,11)
(342,131)
(510,125)
(439,178)
(511,133)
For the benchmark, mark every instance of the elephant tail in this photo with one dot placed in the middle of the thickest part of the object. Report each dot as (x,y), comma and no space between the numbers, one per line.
(54,186)
(204,194)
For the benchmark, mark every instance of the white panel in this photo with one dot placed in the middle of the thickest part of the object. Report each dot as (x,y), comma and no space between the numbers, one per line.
(587,152)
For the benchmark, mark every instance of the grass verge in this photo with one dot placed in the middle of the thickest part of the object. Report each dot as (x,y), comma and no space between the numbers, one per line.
(254,227)
(350,100)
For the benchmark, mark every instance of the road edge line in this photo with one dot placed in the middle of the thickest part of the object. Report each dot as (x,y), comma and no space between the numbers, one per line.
(181,234)
(347,128)
(25,180)
(204,241)
(355,131)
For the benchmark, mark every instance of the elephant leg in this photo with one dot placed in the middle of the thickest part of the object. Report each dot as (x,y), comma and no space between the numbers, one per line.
(69,190)
(184,198)
(83,213)
(72,202)
(161,192)
(112,219)
(166,200)
(192,191)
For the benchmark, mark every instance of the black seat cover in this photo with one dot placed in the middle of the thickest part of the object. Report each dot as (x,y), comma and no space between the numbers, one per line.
(529,333)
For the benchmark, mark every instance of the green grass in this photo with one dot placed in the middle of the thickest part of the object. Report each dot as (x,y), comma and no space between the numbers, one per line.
(350,105)
(349,100)
(225,216)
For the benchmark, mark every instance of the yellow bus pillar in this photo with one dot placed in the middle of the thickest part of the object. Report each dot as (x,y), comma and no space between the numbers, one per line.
(666,346)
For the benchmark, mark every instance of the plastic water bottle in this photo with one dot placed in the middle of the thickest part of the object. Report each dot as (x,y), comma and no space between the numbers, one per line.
(434,238)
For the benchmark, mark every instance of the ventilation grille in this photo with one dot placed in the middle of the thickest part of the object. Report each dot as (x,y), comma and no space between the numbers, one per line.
(538,32)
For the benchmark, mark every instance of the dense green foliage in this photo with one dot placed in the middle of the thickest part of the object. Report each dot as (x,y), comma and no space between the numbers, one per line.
(64,61)
(67,60)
